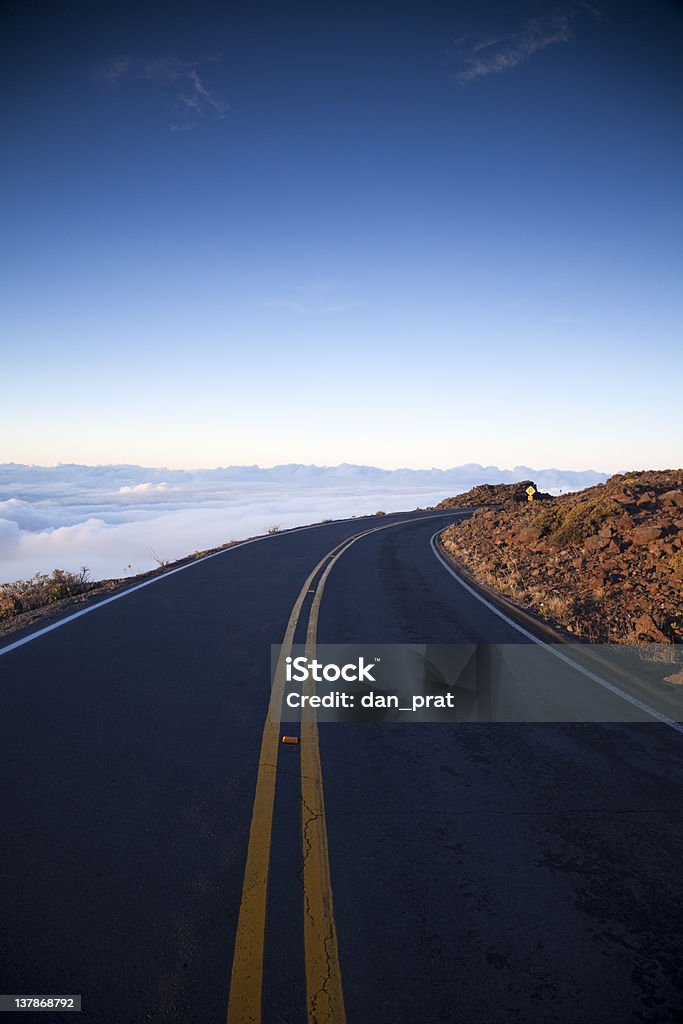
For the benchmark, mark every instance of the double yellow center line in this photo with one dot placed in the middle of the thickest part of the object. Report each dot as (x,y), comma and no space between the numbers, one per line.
(324,995)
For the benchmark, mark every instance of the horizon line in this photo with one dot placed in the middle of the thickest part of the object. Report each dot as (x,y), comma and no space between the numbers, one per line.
(310,465)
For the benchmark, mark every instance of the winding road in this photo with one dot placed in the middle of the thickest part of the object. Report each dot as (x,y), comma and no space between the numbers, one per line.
(165,856)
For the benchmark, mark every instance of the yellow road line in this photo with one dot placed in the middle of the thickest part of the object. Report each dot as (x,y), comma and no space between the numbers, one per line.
(246,982)
(323,974)
(324,992)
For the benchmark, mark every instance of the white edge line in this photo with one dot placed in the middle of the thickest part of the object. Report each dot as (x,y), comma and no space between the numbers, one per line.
(155,579)
(124,593)
(548,647)
(164,575)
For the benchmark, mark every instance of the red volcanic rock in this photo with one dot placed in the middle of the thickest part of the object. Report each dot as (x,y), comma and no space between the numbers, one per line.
(530,535)
(646,627)
(596,542)
(605,563)
(646,534)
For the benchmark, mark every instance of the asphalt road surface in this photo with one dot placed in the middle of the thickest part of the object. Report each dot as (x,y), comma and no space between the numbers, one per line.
(165,856)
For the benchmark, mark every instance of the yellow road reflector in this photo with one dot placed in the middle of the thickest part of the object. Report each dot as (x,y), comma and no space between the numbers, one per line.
(290,739)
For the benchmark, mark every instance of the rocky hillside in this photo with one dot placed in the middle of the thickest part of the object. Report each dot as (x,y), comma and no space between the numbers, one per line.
(605,564)
(494,494)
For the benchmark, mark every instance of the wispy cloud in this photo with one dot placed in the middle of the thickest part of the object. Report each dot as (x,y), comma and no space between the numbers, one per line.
(487,55)
(194,100)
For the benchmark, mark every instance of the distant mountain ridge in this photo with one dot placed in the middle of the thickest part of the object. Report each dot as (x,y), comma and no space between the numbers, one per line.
(295,474)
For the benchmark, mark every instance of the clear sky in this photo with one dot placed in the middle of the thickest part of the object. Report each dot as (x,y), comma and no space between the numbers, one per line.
(415,234)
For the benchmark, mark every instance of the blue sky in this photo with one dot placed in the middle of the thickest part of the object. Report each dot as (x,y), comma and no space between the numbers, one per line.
(419,234)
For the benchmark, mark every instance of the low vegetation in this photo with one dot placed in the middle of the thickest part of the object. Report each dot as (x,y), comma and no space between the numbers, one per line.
(604,564)
(565,524)
(41,590)
(25,601)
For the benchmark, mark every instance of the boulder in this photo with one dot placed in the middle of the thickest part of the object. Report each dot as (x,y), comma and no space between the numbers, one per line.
(646,534)
(673,498)
(596,542)
(646,627)
(530,535)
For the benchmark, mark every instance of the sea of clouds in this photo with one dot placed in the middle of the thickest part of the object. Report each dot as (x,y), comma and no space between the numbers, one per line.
(120,520)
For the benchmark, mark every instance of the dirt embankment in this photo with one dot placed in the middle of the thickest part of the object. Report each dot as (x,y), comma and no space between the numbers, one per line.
(605,564)
(494,494)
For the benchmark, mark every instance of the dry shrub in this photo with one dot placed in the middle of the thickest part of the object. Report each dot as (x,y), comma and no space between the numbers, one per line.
(41,589)
(565,526)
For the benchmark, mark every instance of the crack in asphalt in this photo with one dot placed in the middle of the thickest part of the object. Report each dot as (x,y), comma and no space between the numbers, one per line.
(327,939)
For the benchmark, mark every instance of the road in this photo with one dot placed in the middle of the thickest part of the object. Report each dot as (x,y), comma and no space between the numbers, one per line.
(396,872)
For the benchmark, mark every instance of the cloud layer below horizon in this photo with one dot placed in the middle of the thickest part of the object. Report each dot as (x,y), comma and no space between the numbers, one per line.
(117,520)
